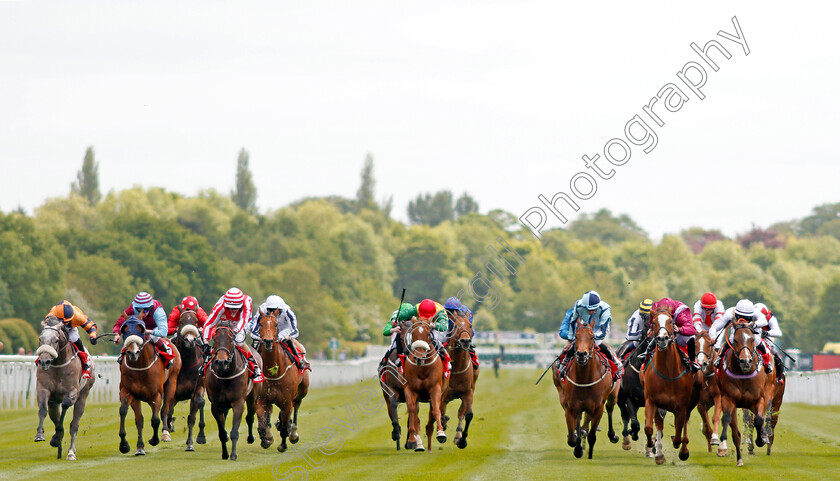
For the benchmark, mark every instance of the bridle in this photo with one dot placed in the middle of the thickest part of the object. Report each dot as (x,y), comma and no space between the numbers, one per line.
(457,329)
(752,352)
(62,344)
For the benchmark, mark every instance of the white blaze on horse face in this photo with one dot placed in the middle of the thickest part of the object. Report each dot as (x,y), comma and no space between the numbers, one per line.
(662,321)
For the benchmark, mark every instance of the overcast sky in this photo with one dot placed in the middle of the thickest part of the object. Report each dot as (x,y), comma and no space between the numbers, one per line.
(499,99)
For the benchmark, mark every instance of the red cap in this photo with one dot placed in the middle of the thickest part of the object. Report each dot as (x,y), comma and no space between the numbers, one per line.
(427,309)
(189,302)
(708,301)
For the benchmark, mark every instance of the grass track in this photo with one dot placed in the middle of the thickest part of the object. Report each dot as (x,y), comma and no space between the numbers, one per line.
(518,433)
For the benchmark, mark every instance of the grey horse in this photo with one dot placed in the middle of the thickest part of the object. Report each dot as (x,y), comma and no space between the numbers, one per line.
(59,369)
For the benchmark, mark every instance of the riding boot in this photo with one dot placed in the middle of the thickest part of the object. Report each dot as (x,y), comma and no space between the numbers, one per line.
(765,358)
(721,356)
(619,368)
(166,351)
(84,356)
(563,360)
(256,372)
(206,354)
(692,355)
(648,349)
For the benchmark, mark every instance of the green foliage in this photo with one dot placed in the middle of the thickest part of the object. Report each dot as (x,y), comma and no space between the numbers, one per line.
(17,333)
(87,179)
(431,209)
(245,193)
(365,194)
(606,228)
(465,205)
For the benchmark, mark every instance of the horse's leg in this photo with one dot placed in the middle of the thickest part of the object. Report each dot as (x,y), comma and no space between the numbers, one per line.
(264,423)
(736,436)
(138,423)
(78,410)
(156,408)
(249,417)
(199,393)
(659,421)
(716,419)
(707,428)
(650,409)
(578,451)
(749,427)
(191,419)
(611,431)
(43,408)
(436,400)
(293,432)
(55,416)
(728,409)
(413,440)
(391,403)
(124,400)
(465,414)
(593,431)
(238,407)
(283,422)
(624,410)
(680,436)
(220,415)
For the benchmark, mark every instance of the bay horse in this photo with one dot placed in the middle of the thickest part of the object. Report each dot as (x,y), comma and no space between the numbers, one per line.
(58,383)
(284,387)
(463,377)
(144,378)
(229,386)
(743,384)
(710,392)
(424,382)
(190,384)
(585,389)
(668,385)
(391,380)
(631,396)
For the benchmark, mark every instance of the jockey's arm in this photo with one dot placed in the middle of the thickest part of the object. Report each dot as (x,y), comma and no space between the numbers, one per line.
(633,328)
(253,327)
(293,331)
(441,322)
(161,324)
(565,328)
(718,326)
(604,324)
(120,320)
(174,318)
(775,330)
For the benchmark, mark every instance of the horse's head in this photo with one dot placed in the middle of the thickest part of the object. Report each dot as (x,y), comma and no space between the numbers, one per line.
(704,347)
(662,328)
(584,343)
(417,338)
(52,340)
(744,346)
(188,328)
(223,345)
(268,331)
(460,335)
(133,331)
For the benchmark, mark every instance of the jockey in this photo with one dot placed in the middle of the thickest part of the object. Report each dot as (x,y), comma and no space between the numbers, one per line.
(74,318)
(770,329)
(684,329)
(234,307)
(637,325)
(392,328)
(589,309)
(744,311)
(436,315)
(188,303)
(453,305)
(151,312)
(706,311)
(287,330)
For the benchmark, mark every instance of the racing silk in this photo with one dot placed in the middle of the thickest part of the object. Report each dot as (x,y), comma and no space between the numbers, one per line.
(155,320)
(440,321)
(637,326)
(771,326)
(219,313)
(460,307)
(175,316)
(286,323)
(600,320)
(680,312)
(703,321)
(76,319)
(728,317)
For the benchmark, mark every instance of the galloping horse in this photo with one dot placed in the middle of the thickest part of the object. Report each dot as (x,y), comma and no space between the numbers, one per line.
(710,392)
(424,382)
(228,386)
(190,382)
(743,384)
(631,397)
(770,419)
(392,381)
(462,378)
(58,384)
(587,386)
(284,387)
(668,385)
(144,378)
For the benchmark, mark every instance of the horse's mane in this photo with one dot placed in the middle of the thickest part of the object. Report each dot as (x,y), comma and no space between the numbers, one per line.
(51,321)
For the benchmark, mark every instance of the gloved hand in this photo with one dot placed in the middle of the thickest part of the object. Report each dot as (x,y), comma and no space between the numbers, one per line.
(93,338)
(205,349)
(764,334)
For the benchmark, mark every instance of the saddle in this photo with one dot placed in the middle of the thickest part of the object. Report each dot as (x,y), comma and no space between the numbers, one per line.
(613,366)
(294,356)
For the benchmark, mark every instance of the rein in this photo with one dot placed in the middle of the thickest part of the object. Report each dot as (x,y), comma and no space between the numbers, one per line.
(61,338)
(216,350)
(589,357)
(154,359)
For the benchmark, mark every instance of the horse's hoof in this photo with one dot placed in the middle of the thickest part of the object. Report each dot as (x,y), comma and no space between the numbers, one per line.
(71,456)
(740,462)
(54,442)
(140,452)
(410,445)
(683,455)
(715,440)
(659,460)
(722,453)
(294,438)
(165,437)
(189,448)
(224,455)
(250,439)
(760,442)
(265,444)
(201,439)
(614,438)
(648,452)
(419,448)
(578,452)
(233,457)
(625,445)
(281,448)
(40,437)
(124,447)
(441,437)
(277,425)
(154,441)
(635,436)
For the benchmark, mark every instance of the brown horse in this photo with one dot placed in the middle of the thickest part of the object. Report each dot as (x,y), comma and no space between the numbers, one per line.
(743,384)
(710,393)
(144,378)
(463,377)
(391,380)
(770,419)
(668,385)
(190,382)
(587,385)
(59,385)
(284,387)
(424,382)
(229,387)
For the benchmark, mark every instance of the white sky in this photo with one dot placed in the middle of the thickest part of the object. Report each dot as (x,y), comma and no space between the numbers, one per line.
(499,99)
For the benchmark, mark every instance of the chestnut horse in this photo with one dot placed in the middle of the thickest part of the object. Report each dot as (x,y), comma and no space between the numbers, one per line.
(284,387)
(587,386)
(190,382)
(424,382)
(58,384)
(229,387)
(743,384)
(710,393)
(462,378)
(668,385)
(144,378)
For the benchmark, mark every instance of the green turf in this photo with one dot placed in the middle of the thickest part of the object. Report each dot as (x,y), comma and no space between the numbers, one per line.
(518,433)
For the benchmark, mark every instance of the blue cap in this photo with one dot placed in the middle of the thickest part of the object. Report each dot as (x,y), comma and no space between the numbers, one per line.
(453,304)
(590,300)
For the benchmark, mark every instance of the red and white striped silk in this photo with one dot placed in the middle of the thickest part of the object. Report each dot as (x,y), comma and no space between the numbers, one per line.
(218,314)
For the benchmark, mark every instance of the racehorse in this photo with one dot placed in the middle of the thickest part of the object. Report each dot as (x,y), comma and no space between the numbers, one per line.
(144,378)
(284,387)
(424,382)
(710,393)
(229,387)
(587,386)
(190,382)
(770,419)
(391,380)
(668,385)
(58,384)
(631,396)
(463,377)
(743,384)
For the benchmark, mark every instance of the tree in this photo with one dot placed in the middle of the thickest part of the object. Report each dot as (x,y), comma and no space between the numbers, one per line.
(431,209)
(364,196)
(87,179)
(465,205)
(245,194)
(822,214)
(606,228)
(769,237)
(696,238)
